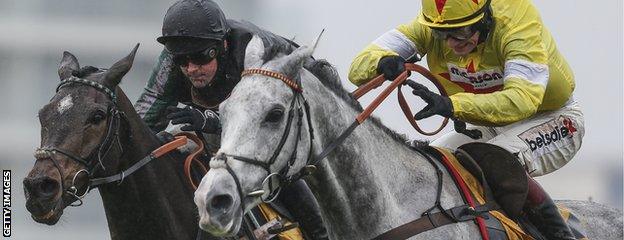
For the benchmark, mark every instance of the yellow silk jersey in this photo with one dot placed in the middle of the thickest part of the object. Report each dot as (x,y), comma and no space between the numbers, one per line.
(514,73)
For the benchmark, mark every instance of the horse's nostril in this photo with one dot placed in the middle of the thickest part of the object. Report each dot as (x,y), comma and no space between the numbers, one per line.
(48,187)
(221,202)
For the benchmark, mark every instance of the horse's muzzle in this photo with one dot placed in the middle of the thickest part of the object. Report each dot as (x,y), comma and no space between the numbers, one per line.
(43,196)
(218,204)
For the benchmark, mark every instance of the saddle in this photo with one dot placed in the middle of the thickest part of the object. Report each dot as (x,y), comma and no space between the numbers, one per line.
(499,172)
(504,180)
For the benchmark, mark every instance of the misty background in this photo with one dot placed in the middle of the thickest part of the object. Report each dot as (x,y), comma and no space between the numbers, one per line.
(34,33)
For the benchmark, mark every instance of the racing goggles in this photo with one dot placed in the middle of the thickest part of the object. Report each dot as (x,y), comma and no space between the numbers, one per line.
(198,58)
(460,34)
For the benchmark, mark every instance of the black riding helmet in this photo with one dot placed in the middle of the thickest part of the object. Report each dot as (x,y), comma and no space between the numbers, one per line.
(193,25)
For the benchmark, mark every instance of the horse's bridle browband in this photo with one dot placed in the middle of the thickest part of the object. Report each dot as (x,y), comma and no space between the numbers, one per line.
(94,159)
(298,104)
(294,86)
(96,85)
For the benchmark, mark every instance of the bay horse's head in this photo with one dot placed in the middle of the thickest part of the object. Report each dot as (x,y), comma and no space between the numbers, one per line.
(265,137)
(79,129)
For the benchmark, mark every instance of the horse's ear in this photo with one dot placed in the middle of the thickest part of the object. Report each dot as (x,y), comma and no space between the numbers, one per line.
(293,63)
(69,63)
(254,53)
(116,72)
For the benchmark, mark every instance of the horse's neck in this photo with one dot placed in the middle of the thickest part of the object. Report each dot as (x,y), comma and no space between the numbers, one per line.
(154,202)
(372,180)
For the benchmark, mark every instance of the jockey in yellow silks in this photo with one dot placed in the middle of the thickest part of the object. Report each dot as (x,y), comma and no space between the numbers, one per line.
(504,76)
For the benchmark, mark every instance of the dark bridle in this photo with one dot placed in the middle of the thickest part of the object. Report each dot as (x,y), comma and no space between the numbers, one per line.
(94,159)
(298,107)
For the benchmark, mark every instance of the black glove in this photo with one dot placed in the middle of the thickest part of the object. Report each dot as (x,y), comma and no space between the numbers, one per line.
(196,120)
(436,104)
(391,67)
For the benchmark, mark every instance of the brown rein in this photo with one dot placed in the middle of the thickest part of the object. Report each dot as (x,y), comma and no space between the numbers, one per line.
(397,83)
(190,159)
(180,140)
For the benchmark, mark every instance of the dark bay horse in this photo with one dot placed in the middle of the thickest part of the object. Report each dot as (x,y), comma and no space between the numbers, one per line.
(89,129)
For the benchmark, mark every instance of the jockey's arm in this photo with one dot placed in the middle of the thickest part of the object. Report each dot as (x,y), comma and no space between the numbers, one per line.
(403,41)
(526,72)
(158,94)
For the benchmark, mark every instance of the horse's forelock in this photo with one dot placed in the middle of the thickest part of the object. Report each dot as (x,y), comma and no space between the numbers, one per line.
(86,71)
(276,51)
(328,76)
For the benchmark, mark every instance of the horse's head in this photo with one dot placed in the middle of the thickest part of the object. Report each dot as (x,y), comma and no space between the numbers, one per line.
(265,138)
(79,130)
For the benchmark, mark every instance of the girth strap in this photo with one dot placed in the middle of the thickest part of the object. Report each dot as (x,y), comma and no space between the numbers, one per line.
(434,220)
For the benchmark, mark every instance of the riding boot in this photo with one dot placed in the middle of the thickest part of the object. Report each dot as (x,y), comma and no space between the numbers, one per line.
(300,202)
(544,214)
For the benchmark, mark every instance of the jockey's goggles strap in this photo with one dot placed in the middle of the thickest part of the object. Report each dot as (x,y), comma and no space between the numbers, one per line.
(198,58)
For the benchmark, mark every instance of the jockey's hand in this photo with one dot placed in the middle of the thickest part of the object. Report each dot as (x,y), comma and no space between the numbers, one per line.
(391,67)
(436,104)
(460,127)
(195,120)
(164,137)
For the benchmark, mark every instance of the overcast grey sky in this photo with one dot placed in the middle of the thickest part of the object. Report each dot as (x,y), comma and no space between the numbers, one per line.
(34,33)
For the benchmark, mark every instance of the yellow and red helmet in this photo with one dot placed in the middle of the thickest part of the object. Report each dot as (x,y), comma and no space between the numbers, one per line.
(452,13)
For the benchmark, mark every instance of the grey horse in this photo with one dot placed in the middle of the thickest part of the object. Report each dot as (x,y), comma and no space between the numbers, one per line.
(369,184)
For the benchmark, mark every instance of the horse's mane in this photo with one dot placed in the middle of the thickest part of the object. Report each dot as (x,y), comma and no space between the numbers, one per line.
(328,76)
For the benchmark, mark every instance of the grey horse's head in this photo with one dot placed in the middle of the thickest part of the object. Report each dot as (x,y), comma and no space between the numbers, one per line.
(76,131)
(255,120)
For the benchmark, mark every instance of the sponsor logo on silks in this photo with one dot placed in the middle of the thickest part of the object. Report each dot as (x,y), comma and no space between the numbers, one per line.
(484,81)
(549,136)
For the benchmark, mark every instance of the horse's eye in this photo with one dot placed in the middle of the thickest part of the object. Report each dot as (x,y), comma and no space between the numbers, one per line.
(275,115)
(97,117)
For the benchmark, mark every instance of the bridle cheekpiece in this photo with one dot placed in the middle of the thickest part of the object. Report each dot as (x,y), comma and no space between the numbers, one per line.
(112,134)
(301,106)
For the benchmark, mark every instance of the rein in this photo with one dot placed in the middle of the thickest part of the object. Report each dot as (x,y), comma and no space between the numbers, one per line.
(402,78)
